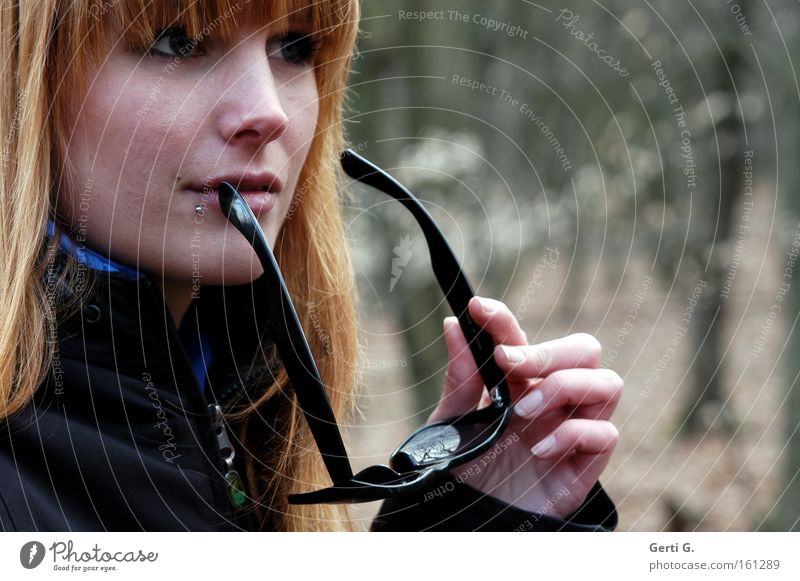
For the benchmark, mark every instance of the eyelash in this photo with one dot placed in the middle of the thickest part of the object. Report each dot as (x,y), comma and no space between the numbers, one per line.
(186,43)
(304,45)
(299,49)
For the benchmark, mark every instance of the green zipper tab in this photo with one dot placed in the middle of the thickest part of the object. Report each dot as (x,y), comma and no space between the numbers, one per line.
(236,492)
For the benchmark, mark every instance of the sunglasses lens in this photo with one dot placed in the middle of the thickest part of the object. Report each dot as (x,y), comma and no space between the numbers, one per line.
(428,445)
(445,441)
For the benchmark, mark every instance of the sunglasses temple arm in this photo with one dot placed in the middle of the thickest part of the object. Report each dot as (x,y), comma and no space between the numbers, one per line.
(287,332)
(449,274)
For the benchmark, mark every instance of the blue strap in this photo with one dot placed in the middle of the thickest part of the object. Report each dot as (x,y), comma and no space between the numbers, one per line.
(89,257)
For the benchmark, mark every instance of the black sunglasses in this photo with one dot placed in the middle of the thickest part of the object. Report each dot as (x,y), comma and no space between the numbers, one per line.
(431,449)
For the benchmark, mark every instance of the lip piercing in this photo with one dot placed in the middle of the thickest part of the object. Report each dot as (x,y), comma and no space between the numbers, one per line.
(198,209)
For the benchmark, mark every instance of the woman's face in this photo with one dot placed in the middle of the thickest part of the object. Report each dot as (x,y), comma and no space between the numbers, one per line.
(157,132)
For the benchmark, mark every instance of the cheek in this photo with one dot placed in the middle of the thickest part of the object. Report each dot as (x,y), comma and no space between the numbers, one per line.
(302,108)
(110,132)
(120,151)
(312,115)
(303,126)
(300,100)
(134,139)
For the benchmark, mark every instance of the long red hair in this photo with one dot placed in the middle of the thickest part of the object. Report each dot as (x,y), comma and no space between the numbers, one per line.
(47,45)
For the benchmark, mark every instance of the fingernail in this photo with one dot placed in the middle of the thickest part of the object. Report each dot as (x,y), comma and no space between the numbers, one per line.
(529,404)
(487,306)
(544,446)
(512,354)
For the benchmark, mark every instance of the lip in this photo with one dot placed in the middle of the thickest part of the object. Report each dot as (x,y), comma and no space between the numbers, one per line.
(260,190)
(260,202)
(253,182)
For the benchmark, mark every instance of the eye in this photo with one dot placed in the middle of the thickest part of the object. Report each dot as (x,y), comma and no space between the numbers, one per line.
(174,42)
(294,47)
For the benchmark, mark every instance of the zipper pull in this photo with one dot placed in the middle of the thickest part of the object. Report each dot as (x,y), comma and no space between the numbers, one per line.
(235,487)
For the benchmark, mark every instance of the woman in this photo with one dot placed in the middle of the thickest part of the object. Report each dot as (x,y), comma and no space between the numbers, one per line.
(134,317)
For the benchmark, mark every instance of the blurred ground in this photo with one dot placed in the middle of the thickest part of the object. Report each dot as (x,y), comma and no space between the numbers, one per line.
(711,481)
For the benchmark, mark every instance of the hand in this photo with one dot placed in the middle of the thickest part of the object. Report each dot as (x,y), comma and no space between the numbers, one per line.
(559,439)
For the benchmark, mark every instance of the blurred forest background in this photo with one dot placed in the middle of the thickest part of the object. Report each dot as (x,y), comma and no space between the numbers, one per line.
(627,169)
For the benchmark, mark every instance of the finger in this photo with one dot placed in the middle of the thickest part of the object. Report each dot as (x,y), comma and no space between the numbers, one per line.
(518,388)
(463,385)
(598,389)
(579,450)
(542,359)
(579,436)
(498,320)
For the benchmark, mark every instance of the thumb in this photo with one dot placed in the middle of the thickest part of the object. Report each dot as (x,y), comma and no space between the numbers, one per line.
(463,385)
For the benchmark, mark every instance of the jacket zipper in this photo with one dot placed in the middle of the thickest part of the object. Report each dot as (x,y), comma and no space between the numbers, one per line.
(235,486)
(236,492)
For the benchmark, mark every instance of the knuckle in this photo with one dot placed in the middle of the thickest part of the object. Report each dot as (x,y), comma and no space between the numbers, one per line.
(516,330)
(612,434)
(502,307)
(591,347)
(615,381)
(559,381)
(571,429)
(497,307)
(539,356)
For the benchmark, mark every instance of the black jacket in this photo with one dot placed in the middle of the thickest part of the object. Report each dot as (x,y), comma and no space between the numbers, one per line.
(121,436)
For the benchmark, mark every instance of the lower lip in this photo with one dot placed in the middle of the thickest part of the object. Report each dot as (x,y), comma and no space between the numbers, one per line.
(259,201)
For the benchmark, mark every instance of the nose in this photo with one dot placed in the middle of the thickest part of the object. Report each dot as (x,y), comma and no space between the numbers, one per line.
(251,111)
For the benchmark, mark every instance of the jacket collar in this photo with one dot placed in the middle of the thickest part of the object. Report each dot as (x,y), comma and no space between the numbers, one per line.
(124,326)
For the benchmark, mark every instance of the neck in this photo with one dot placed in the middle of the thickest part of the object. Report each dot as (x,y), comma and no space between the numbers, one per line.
(177,296)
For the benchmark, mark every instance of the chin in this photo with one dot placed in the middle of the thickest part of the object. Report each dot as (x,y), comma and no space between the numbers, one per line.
(228,277)
(211,271)
(232,277)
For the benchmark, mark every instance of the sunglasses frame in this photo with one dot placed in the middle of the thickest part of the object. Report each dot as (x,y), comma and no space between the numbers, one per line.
(443,443)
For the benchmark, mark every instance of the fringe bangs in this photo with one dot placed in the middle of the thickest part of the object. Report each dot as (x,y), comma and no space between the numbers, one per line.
(82,27)
(333,23)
